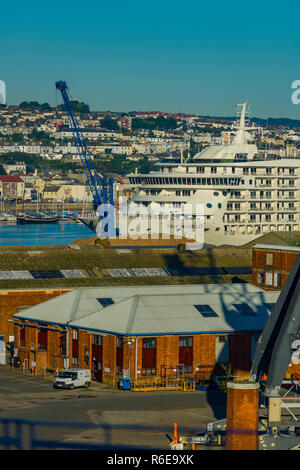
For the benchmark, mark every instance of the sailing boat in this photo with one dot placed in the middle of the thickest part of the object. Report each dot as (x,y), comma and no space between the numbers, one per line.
(38,218)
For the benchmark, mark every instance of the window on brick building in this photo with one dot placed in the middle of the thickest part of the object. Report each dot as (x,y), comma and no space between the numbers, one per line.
(222,349)
(269,279)
(149,343)
(42,338)
(119,370)
(63,343)
(186,353)
(149,356)
(120,342)
(185,341)
(75,335)
(22,336)
(74,361)
(149,371)
(97,340)
(269,258)
(261,278)
(277,280)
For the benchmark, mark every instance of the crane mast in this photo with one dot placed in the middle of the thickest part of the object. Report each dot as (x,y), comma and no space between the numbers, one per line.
(101,189)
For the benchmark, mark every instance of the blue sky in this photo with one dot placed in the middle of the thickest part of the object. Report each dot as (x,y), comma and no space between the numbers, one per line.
(193,57)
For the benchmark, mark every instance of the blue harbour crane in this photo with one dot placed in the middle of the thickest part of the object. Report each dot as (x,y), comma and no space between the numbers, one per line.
(100,187)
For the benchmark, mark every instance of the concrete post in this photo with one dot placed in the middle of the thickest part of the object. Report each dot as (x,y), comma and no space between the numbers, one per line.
(242,416)
(274,411)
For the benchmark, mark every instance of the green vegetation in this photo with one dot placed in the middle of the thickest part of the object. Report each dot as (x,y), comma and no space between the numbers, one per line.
(35,105)
(160,123)
(36,162)
(110,124)
(78,107)
(119,164)
(40,137)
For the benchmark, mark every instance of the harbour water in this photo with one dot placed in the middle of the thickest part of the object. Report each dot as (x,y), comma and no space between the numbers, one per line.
(40,234)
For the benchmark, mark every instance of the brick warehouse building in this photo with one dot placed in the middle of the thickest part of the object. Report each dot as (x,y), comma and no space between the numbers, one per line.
(146,330)
(272,265)
(14,300)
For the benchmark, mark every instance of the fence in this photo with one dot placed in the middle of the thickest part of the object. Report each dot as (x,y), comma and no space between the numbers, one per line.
(156,384)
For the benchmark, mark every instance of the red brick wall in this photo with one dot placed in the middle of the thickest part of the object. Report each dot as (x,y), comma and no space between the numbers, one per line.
(242,419)
(283,261)
(11,300)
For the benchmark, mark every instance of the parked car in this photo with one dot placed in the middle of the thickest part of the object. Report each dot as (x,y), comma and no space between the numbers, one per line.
(73,378)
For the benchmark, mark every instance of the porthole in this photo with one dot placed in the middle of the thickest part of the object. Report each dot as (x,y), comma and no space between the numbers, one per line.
(219,205)
(209,205)
(216,193)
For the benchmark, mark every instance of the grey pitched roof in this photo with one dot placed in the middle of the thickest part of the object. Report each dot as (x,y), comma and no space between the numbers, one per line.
(267,246)
(156,310)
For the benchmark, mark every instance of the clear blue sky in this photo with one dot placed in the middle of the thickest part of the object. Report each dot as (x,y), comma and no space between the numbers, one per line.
(198,57)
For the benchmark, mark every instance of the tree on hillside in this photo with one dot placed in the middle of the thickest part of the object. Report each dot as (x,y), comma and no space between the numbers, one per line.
(77,107)
(110,124)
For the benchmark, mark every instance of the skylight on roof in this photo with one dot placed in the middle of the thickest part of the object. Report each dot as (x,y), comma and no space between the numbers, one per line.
(105,301)
(245,310)
(206,310)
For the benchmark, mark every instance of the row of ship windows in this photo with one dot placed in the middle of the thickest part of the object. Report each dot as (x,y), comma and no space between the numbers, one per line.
(267,206)
(198,181)
(260,218)
(237,194)
(207,181)
(246,171)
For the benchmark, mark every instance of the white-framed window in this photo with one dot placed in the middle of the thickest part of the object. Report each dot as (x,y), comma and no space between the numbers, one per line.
(222,348)
(269,279)
(74,361)
(277,280)
(75,334)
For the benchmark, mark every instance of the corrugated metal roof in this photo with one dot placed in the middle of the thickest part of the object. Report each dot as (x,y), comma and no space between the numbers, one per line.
(155,310)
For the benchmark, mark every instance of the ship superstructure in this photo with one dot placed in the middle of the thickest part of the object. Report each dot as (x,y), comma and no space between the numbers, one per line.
(245,192)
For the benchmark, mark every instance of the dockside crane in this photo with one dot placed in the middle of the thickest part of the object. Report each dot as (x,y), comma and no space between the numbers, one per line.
(100,187)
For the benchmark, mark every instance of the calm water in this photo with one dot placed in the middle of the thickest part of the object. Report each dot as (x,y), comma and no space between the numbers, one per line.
(40,234)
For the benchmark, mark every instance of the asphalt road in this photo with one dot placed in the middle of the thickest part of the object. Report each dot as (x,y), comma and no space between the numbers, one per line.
(33,398)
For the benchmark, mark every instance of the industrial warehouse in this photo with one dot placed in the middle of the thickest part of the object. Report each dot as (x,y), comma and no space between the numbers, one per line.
(144,331)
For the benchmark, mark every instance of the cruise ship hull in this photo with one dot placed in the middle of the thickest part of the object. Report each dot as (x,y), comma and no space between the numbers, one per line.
(210,238)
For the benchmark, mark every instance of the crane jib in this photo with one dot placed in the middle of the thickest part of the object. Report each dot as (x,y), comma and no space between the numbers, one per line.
(101,189)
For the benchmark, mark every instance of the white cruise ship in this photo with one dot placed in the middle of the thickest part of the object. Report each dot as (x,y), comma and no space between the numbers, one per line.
(245,192)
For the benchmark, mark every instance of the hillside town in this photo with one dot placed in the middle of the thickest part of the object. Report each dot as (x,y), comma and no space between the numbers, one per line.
(39,157)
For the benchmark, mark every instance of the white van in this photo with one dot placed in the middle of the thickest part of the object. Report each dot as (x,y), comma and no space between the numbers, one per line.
(72,378)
